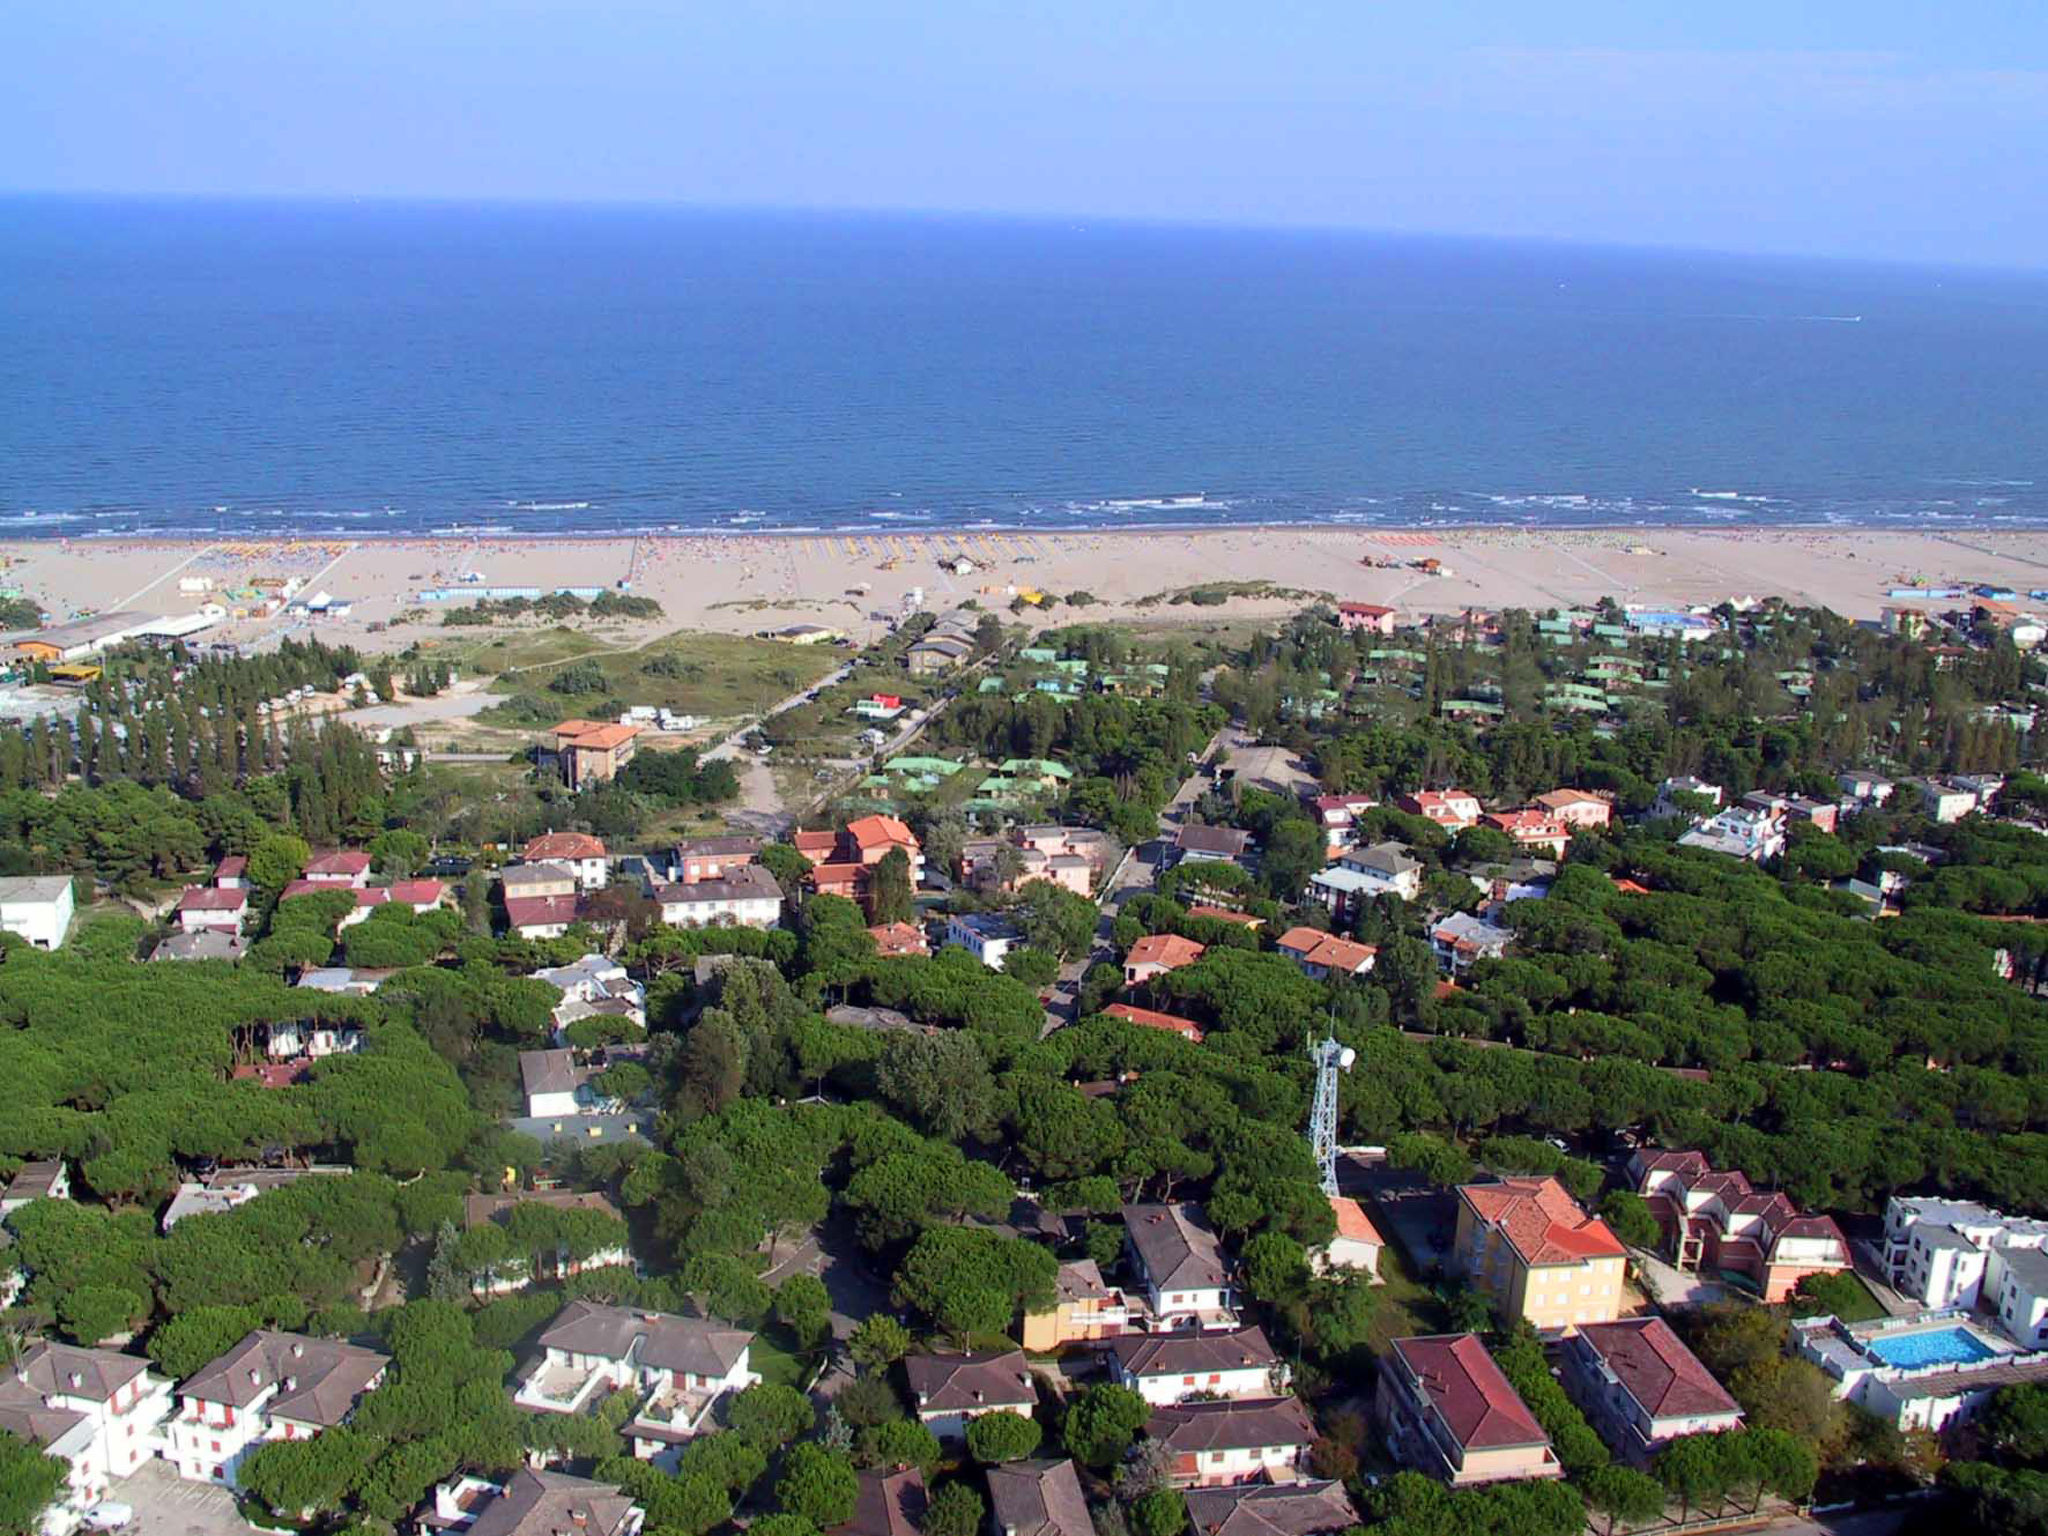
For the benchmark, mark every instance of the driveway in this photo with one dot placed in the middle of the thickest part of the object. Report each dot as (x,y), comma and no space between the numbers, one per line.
(1670,1287)
(166,1505)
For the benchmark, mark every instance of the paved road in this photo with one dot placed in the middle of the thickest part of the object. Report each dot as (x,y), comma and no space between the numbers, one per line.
(1137,872)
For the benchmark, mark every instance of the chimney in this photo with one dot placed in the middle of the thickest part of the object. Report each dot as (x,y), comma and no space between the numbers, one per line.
(77,1379)
(298,1350)
(255,1377)
(291,1383)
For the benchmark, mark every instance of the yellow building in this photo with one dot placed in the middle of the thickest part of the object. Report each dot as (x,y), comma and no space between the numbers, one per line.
(1541,1258)
(1086,1310)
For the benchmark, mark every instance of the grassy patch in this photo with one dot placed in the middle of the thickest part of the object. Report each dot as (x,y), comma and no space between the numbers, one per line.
(1407,1307)
(772,1356)
(712,676)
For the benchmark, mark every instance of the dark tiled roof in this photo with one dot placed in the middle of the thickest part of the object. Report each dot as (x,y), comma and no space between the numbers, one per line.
(1243,1425)
(552,1504)
(888,1504)
(1261,1509)
(316,1381)
(1196,1354)
(692,1344)
(945,1383)
(1177,1246)
(1038,1498)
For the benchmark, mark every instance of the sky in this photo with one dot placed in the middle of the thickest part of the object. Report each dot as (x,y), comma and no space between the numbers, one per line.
(1890,129)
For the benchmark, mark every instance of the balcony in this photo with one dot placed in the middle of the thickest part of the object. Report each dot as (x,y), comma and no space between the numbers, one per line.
(672,1414)
(560,1388)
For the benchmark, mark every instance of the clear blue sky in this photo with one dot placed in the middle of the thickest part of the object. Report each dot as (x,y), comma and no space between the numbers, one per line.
(1885,128)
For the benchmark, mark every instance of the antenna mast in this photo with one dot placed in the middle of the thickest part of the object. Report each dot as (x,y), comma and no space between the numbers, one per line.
(1330,1059)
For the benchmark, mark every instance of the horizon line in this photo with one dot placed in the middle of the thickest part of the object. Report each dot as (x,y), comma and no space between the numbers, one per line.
(1022,216)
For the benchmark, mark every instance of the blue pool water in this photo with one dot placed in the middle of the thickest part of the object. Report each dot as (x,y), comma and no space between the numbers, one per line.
(1941,1346)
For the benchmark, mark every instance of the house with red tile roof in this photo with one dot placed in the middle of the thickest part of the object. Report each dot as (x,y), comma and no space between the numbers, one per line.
(347,866)
(842,863)
(232,871)
(203,907)
(1576,807)
(1151,1018)
(1717,1220)
(1542,1259)
(1372,618)
(1323,955)
(578,851)
(1448,1410)
(1531,830)
(1157,953)
(1641,1388)
(1356,1243)
(888,1501)
(1452,809)
(593,751)
(894,940)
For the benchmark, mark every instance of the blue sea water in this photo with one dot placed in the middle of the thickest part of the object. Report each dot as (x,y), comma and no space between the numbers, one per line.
(246,367)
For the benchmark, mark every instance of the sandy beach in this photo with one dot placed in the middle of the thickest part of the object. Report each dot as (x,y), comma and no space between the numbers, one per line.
(741,584)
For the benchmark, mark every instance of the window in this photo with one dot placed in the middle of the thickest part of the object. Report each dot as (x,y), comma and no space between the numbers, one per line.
(216,1448)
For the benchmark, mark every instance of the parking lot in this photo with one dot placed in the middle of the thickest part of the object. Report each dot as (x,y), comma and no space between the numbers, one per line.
(166,1505)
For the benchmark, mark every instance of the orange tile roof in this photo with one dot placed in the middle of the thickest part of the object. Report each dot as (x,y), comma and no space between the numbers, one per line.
(1352,1222)
(562,845)
(880,831)
(1153,1019)
(587,736)
(1167,949)
(1542,1221)
(1314,947)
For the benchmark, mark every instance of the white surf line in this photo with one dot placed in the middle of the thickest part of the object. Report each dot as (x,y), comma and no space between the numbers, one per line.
(136,595)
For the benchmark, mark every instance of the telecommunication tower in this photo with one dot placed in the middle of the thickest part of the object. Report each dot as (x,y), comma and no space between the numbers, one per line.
(1330,1059)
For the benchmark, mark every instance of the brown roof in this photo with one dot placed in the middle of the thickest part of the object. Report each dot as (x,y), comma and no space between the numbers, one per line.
(1167,949)
(1081,1280)
(718,848)
(1177,1247)
(1545,1224)
(1225,915)
(1468,1391)
(316,1381)
(1038,1498)
(692,1344)
(1655,1368)
(743,882)
(478,1209)
(539,911)
(71,1371)
(345,861)
(562,845)
(1243,1425)
(213,898)
(1227,841)
(941,1383)
(553,1504)
(1196,1354)
(888,1503)
(1266,1509)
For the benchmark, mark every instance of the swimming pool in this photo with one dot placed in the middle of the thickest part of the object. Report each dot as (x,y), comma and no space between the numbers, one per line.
(1937,1346)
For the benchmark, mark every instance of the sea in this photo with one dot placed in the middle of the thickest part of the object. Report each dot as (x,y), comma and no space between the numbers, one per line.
(250,368)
